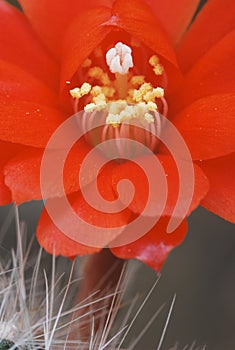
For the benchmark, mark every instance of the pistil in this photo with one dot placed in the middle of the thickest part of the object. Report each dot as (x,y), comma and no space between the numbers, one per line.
(119,60)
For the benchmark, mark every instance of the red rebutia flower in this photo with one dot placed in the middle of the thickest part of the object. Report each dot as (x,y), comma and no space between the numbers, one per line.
(142,69)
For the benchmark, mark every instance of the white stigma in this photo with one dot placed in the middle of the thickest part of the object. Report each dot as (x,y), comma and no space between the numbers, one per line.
(119,59)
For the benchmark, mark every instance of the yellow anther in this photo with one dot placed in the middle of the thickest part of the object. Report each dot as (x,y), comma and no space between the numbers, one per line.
(152,106)
(99,74)
(96,90)
(158,92)
(75,93)
(108,91)
(149,118)
(95,72)
(79,92)
(86,63)
(149,97)
(158,70)
(137,80)
(105,79)
(124,113)
(117,106)
(128,113)
(98,105)
(154,60)
(101,105)
(85,89)
(137,96)
(100,98)
(157,67)
(113,119)
(90,107)
(146,87)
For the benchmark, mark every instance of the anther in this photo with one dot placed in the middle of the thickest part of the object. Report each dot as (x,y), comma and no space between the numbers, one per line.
(157,67)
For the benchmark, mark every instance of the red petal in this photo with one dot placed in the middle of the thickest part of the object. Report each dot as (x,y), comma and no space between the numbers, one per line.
(154,247)
(27,123)
(16,83)
(5,193)
(212,74)
(55,242)
(214,21)
(149,182)
(67,219)
(221,197)
(135,17)
(7,151)
(83,36)
(51,18)
(90,28)
(175,16)
(23,173)
(208,127)
(19,45)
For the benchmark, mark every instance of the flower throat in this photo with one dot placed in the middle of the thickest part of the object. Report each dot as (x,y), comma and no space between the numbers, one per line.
(130,107)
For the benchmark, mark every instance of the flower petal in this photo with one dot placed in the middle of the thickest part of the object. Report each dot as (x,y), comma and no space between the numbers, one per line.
(175,16)
(90,28)
(5,193)
(82,37)
(19,45)
(89,217)
(212,74)
(208,127)
(154,247)
(142,184)
(51,18)
(57,243)
(7,151)
(213,22)
(221,197)
(15,83)
(135,17)
(27,123)
(23,173)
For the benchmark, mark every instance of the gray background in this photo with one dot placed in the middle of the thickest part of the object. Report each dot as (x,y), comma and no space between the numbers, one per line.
(201,272)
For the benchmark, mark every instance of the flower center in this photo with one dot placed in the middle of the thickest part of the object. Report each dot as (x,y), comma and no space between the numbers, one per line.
(130,106)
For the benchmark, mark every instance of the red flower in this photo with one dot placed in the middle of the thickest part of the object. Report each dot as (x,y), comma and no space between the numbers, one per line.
(52,48)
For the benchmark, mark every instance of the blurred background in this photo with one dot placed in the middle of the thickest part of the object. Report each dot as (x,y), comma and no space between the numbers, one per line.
(201,272)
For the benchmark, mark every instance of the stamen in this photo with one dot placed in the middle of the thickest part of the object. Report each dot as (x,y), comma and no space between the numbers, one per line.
(119,113)
(137,80)
(132,123)
(157,67)
(149,118)
(79,92)
(99,74)
(128,105)
(146,93)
